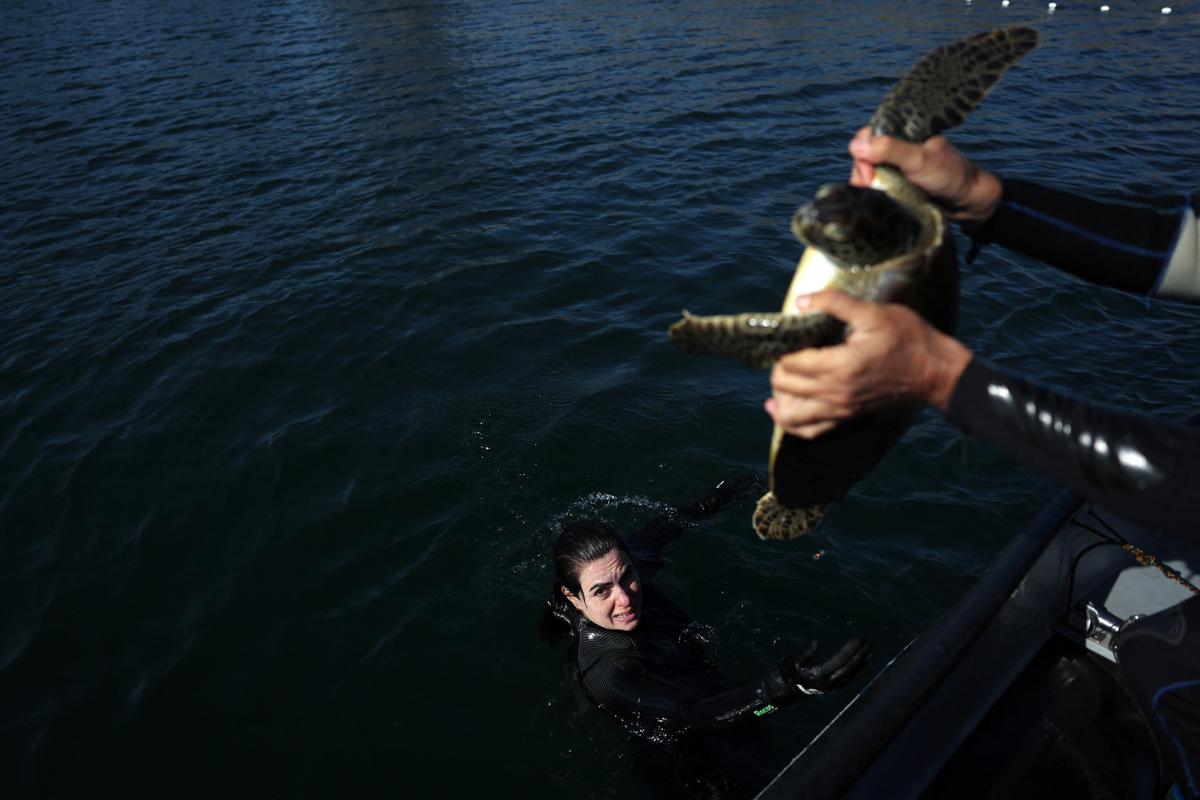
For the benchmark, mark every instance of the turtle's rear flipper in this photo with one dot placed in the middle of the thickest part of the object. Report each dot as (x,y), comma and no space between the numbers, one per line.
(948,83)
(755,339)
(774,520)
(807,475)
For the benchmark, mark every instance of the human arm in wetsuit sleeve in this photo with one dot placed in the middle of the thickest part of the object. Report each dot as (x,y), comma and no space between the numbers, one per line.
(1142,469)
(648,542)
(1149,249)
(624,683)
(1138,467)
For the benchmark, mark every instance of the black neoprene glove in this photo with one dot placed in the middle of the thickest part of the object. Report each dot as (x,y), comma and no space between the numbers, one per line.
(725,492)
(809,677)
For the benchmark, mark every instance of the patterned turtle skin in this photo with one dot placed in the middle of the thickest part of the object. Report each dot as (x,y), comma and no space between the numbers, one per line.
(887,243)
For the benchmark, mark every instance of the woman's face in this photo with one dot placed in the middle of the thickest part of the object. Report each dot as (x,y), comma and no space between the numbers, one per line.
(609,592)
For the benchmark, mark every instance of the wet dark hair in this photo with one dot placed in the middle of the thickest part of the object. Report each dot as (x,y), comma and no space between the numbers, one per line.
(578,543)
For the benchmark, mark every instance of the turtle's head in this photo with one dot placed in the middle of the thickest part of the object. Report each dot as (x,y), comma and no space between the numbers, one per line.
(855,226)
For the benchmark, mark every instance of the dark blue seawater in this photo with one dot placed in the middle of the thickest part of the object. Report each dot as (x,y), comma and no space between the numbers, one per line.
(317,317)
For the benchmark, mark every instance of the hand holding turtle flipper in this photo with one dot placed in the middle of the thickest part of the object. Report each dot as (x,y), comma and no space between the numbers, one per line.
(890,352)
(965,191)
(823,676)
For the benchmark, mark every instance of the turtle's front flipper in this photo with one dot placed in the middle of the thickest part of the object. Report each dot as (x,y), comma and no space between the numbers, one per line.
(948,83)
(755,339)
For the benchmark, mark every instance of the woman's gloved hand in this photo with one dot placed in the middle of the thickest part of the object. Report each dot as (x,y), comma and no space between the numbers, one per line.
(814,677)
(725,492)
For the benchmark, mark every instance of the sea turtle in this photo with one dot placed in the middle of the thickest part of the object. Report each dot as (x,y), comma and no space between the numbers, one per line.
(888,243)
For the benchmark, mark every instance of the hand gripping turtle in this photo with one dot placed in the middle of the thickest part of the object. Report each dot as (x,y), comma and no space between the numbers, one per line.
(888,243)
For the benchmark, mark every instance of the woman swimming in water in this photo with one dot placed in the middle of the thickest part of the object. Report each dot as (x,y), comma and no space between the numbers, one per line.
(631,645)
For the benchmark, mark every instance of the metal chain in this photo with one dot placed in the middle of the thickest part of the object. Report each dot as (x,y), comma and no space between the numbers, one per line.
(1147,560)
(1139,555)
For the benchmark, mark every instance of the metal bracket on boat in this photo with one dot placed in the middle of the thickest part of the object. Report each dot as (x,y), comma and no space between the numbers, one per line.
(1101,627)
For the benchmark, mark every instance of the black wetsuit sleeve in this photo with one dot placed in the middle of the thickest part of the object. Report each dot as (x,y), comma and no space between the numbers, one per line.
(1142,469)
(649,542)
(624,685)
(1149,249)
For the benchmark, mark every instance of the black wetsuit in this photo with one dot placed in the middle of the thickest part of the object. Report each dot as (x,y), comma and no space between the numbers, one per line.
(656,676)
(1145,470)
(1160,659)
(681,713)
(1141,468)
